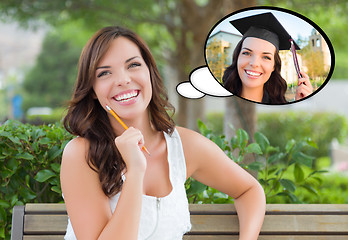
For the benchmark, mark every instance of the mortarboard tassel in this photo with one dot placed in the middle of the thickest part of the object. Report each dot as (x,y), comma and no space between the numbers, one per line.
(294,56)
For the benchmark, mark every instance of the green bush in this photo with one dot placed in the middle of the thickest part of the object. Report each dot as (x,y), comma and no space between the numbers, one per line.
(334,189)
(273,166)
(215,122)
(322,128)
(279,127)
(330,188)
(30,159)
(56,116)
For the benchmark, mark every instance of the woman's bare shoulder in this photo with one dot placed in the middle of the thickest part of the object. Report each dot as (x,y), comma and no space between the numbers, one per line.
(187,135)
(75,149)
(75,156)
(196,148)
(193,140)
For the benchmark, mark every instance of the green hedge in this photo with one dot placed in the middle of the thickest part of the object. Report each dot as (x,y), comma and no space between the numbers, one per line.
(281,173)
(279,127)
(56,116)
(30,159)
(322,128)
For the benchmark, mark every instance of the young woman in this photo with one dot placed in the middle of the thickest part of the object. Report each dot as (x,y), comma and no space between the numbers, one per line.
(255,70)
(112,188)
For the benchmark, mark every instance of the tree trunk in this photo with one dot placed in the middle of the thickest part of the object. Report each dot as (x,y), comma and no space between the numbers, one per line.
(240,113)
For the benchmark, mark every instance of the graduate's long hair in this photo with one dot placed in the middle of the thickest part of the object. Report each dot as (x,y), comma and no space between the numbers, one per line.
(87,118)
(274,88)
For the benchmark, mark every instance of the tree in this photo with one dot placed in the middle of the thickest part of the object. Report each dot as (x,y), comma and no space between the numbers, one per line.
(50,81)
(314,61)
(184,24)
(217,58)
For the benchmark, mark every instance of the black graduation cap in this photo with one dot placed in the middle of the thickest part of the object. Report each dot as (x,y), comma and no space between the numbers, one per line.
(267,27)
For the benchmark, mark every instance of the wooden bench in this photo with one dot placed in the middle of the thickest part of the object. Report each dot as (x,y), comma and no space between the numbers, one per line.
(209,222)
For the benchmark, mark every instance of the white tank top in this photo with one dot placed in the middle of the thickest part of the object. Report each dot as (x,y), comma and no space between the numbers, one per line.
(165,218)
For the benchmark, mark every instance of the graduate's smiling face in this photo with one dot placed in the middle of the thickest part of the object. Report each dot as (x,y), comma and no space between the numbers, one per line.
(122,79)
(255,63)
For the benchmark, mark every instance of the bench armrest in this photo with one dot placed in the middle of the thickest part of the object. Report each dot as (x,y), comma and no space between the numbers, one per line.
(17,223)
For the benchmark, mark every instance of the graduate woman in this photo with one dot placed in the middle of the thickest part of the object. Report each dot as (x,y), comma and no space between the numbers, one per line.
(255,70)
(112,188)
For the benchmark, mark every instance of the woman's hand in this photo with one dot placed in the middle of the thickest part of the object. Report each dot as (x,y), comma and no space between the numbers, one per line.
(129,144)
(304,87)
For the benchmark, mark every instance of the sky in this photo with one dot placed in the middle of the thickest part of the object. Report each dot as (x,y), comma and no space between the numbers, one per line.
(294,25)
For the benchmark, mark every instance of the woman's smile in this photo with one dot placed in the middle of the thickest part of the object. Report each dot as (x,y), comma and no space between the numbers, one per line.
(252,74)
(127,97)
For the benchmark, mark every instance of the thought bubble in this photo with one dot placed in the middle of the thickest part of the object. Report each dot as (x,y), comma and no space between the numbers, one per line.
(202,83)
(185,89)
(315,58)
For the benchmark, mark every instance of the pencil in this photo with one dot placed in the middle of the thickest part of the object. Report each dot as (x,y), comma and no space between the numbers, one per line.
(123,124)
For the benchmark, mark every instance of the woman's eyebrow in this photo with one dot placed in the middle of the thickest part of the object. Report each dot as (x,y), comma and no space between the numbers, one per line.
(130,59)
(102,67)
(127,61)
(247,49)
(250,50)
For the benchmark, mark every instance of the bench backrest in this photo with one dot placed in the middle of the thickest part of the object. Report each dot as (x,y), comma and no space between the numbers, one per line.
(209,222)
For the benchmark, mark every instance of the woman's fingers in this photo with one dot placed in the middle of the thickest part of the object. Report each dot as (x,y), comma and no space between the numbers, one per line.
(129,144)
(304,87)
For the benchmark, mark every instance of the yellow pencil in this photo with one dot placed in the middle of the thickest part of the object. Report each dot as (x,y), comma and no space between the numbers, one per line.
(122,123)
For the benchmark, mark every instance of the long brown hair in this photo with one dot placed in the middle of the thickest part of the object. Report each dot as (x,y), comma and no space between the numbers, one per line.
(274,89)
(87,118)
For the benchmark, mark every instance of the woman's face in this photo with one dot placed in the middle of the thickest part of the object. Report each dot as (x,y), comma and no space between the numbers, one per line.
(255,63)
(122,79)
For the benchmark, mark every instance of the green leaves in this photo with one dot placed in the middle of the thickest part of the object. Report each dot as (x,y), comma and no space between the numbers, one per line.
(254,148)
(302,158)
(24,156)
(44,175)
(242,138)
(298,173)
(262,141)
(281,171)
(288,184)
(30,159)
(195,187)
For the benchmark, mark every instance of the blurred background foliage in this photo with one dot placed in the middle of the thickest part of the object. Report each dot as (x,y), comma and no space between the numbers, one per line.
(50,82)
(160,23)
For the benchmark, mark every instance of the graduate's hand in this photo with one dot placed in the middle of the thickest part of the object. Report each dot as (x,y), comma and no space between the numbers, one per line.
(129,143)
(304,87)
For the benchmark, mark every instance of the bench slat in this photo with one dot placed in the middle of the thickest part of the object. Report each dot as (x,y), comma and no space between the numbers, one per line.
(42,224)
(270,237)
(220,208)
(288,209)
(274,224)
(57,208)
(219,237)
(314,224)
(44,237)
